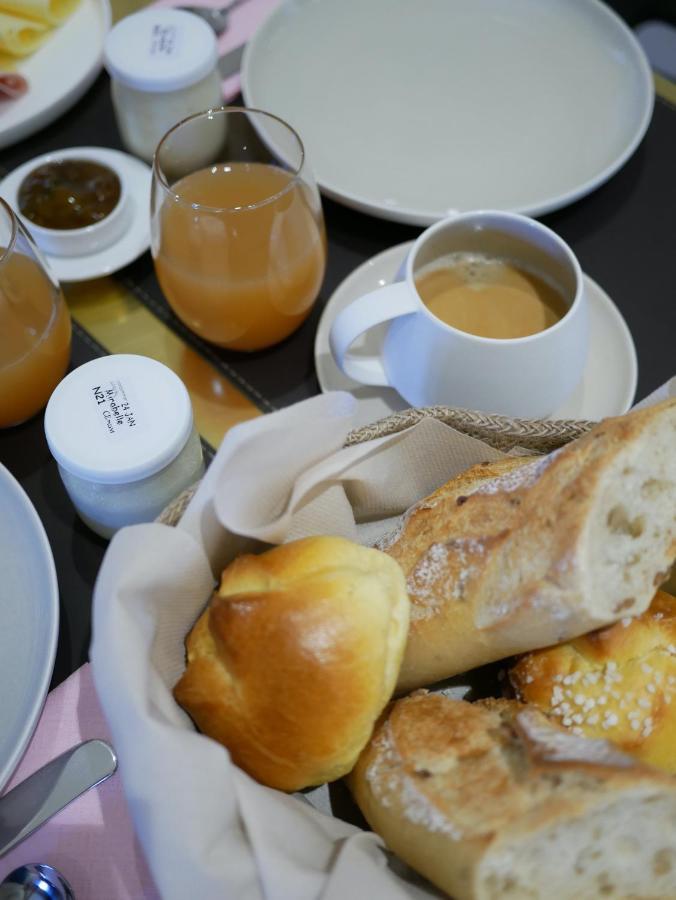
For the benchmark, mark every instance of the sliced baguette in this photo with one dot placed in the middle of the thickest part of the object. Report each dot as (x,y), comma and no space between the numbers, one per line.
(492,801)
(521,554)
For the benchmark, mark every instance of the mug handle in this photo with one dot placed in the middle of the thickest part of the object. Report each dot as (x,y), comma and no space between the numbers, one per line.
(372,309)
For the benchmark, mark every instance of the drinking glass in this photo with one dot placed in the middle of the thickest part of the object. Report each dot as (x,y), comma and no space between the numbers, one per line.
(238,234)
(34,325)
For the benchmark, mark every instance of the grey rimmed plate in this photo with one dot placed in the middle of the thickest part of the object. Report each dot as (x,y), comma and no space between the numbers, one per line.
(29,621)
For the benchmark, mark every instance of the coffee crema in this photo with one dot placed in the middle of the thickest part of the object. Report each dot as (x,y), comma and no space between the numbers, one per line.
(489,296)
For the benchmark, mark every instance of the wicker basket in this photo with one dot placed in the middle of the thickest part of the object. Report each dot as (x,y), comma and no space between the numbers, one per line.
(501,432)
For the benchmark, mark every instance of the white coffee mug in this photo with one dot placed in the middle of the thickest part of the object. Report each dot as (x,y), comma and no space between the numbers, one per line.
(430,362)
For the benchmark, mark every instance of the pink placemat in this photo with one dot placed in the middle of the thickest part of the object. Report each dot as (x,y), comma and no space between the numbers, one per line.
(91,842)
(242,23)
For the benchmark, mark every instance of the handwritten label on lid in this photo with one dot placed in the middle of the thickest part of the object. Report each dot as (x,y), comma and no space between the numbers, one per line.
(164,41)
(117,413)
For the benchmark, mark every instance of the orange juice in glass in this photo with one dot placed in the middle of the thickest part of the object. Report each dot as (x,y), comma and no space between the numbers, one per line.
(34,325)
(237,228)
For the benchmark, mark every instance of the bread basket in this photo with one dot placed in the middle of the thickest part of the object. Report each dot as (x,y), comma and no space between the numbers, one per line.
(302,471)
(208,822)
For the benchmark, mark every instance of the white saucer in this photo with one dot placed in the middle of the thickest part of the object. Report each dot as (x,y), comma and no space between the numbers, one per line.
(135,240)
(607,387)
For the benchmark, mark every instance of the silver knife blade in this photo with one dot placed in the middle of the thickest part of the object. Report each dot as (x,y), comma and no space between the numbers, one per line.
(230,63)
(44,793)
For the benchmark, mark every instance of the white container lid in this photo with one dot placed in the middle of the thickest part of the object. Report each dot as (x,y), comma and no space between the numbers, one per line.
(118,419)
(160,50)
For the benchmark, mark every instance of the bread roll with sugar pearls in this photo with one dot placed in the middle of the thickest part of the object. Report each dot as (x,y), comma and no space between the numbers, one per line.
(492,801)
(296,656)
(521,554)
(618,683)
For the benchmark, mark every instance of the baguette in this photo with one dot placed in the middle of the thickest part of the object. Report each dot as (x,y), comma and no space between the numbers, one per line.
(491,801)
(517,555)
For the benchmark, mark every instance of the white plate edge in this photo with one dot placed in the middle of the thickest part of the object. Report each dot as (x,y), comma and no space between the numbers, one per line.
(23,128)
(50,650)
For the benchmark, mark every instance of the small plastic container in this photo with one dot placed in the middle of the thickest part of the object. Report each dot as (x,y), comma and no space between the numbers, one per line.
(163,66)
(121,430)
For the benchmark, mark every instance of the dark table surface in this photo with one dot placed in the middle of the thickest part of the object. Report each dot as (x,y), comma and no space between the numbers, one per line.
(623,234)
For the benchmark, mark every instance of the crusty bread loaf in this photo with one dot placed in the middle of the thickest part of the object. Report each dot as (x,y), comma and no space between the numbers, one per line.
(295,658)
(549,549)
(617,683)
(492,801)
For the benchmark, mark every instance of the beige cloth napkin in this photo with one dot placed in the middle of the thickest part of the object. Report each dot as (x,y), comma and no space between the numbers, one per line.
(207,829)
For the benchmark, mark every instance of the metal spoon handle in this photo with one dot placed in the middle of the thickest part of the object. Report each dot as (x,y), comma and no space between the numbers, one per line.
(44,793)
(216,16)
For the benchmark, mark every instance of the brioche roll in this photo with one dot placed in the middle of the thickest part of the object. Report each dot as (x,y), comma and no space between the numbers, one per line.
(492,801)
(295,658)
(522,554)
(618,683)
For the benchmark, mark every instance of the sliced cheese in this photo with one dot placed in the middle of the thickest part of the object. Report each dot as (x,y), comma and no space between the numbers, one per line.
(50,12)
(19,36)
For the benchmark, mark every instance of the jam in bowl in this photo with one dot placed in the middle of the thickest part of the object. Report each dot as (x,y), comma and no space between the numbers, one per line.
(73,202)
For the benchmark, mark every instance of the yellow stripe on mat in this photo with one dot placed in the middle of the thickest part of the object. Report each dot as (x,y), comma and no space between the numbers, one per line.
(665,88)
(122,324)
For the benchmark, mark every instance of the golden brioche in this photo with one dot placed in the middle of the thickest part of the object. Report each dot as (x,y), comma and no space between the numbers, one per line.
(492,801)
(618,683)
(522,554)
(295,658)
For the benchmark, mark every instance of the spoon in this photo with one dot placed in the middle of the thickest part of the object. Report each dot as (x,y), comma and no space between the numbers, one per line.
(217,17)
(35,881)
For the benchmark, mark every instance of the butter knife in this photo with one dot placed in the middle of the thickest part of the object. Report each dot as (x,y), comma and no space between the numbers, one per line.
(28,805)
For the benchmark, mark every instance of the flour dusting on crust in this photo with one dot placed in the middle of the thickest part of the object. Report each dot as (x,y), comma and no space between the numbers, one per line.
(515,479)
(387,777)
(391,537)
(443,571)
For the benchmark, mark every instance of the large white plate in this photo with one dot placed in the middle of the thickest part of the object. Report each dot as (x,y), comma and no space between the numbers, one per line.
(409,110)
(58,73)
(608,384)
(29,621)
